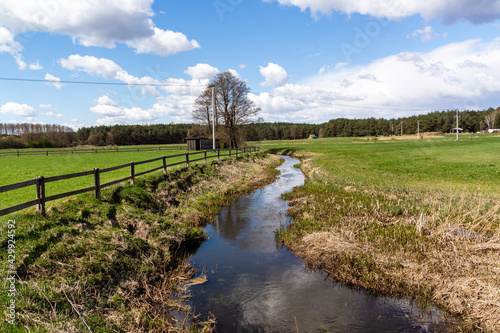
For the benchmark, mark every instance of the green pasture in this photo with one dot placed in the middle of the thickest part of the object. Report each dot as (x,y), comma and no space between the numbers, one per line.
(432,163)
(18,169)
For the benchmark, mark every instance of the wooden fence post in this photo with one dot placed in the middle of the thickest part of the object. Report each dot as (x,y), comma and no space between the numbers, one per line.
(229,153)
(187,160)
(47,152)
(40,195)
(218,154)
(205,157)
(18,153)
(97,184)
(132,173)
(164,164)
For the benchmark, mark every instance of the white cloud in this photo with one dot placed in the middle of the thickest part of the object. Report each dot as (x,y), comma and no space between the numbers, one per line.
(457,75)
(20,62)
(163,43)
(448,10)
(54,81)
(324,69)
(201,72)
(425,34)
(105,68)
(116,114)
(95,23)
(234,72)
(45,106)
(241,66)
(8,43)
(15,109)
(52,114)
(275,75)
(35,66)
(340,65)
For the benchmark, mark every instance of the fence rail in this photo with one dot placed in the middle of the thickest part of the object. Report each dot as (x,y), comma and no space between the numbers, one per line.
(39,182)
(20,153)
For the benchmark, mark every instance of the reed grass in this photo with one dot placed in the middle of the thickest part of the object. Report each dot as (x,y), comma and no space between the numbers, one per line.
(436,240)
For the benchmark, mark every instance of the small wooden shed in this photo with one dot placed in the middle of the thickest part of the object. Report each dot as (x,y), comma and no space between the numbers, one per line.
(201,144)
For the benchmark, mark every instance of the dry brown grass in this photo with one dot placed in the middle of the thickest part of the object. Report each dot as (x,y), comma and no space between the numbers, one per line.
(447,253)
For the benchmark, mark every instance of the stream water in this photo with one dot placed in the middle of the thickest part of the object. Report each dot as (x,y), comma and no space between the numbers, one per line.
(253,285)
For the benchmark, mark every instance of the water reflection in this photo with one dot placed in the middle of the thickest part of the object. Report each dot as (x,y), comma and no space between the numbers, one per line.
(254,286)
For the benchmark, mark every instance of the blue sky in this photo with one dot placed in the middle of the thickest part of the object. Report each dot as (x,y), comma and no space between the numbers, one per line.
(304,60)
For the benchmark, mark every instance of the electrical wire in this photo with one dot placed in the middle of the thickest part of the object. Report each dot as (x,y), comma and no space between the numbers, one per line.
(199,85)
(102,83)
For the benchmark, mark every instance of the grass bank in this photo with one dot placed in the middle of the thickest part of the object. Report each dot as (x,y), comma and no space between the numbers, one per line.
(416,219)
(112,265)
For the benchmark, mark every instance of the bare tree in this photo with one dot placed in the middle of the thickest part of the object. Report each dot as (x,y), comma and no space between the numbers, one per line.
(233,105)
(202,113)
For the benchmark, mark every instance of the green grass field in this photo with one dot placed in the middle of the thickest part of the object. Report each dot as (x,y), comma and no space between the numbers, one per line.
(18,169)
(417,218)
(473,163)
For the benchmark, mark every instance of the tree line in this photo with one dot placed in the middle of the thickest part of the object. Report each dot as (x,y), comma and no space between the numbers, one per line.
(28,135)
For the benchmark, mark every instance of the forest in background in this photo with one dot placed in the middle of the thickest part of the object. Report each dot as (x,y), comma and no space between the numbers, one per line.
(28,135)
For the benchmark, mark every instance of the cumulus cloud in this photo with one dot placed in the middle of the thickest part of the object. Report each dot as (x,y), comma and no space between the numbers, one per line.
(449,11)
(107,69)
(8,43)
(16,109)
(104,23)
(457,75)
(163,43)
(275,75)
(102,67)
(176,106)
(35,66)
(53,81)
(52,114)
(201,72)
(426,34)
(116,114)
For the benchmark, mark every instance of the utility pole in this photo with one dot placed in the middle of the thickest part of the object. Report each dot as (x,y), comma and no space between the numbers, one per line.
(457,124)
(213,116)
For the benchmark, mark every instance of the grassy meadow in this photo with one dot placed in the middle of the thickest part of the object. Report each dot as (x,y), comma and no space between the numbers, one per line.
(18,169)
(417,218)
(438,163)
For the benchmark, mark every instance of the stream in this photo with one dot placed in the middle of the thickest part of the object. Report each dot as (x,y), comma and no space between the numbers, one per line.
(253,285)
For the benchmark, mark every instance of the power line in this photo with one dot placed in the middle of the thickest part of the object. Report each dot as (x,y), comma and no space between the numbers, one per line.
(102,83)
(199,85)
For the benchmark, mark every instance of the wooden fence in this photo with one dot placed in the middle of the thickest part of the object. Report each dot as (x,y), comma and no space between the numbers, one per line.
(20,153)
(39,182)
